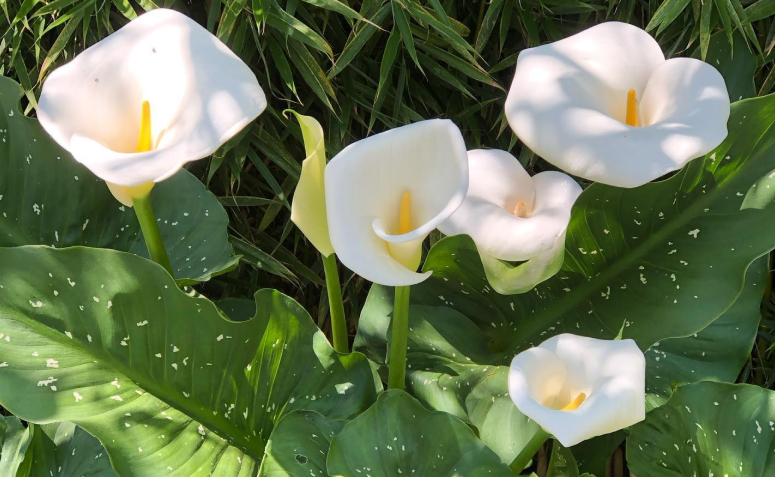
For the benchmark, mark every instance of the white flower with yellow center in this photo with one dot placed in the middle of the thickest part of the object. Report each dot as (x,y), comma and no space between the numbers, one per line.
(514,217)
(577,388)
(154,95)
(605,105)
(386,193)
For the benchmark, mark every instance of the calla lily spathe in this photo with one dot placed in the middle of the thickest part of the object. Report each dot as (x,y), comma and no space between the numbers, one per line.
(577,388)
(605,105)
(308,209)
(198,93)
(386,193)
(514,217)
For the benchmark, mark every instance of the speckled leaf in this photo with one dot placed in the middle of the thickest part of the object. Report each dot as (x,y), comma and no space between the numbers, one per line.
(299,445)
(168,385)
(14,439)
(237,309)
(562,463)
(716,353)
(398,436)
(65,449)
(707,429)
(592,455)
(654,262)
(47,198)
(451,368)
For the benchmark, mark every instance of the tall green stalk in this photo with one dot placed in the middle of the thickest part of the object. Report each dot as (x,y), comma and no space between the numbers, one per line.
(398,341)
(529,451)
(153,240)
(333,287)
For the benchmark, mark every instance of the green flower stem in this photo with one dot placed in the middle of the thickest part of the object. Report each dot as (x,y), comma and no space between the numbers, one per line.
(153,240)
(398,340)
(338,323)
(529,451)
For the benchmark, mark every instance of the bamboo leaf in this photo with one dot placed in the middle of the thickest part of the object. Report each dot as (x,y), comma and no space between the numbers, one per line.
(399,17)
(289,26)
(336,6)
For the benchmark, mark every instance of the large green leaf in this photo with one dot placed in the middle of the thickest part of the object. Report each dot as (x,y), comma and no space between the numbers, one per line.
(451,368)
(716,353)
(652,263)
(299,445)
(14,441)
(47,198)
(563,463)
(707,429)
(238,309)
(592,455)
(168,384)
(63,448)
(398,436)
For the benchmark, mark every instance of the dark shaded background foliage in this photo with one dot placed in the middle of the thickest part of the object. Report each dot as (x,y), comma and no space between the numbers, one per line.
(361,67)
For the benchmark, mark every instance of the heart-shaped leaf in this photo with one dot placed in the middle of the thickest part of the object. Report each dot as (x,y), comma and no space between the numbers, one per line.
(451,368)
(592,455)
(716,353)
(47,198)
(398,436)
(707,429)
(299,445)
(167,384)
(563,463)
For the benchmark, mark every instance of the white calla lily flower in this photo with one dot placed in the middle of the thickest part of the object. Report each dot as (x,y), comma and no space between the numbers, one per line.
(605,105)
(386,193)
(514,217)
(577,388)
(154,95)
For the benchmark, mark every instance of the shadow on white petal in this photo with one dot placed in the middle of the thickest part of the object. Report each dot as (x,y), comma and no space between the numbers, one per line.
(568,99)
(512,217)
(610,373)
(421,168)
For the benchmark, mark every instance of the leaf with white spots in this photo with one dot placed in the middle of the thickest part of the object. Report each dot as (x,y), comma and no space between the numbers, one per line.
(716,353)
(50,199)
(212,415)
(451,368)
(299,445)
(398,436)
(707,429)
(563,463)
